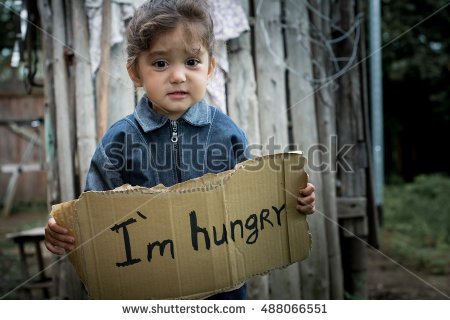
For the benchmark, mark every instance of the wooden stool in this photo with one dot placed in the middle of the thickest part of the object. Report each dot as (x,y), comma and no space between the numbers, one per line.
(42,282)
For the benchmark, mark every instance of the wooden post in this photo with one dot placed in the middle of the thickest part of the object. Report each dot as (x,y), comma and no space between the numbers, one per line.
(373,212)
(69,285)
(50,108)
(352,170)
(326,120)
(243,109)
(50,115)
(84,92)
(314,273)
(103,73)
(63,122)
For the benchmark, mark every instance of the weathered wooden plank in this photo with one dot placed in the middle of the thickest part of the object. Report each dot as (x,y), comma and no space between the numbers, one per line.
(350,128)
(351,207)
(10,192)
(63,122)
(84,92)
(349,112)
(103,73)
(270,72)
(241,87)
(13,167)
(326,126)
(121,88)
(243,109)
(50,107)
(314,273)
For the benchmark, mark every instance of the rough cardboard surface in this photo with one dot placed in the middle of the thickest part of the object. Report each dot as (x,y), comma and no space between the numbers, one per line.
(192,239)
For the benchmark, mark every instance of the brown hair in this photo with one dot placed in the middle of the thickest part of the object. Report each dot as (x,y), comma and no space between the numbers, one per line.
(158,16)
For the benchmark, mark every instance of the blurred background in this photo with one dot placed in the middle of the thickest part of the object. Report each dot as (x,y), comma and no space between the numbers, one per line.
(373,75)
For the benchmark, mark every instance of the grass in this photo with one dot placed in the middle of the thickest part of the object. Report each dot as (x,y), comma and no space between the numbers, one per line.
(416,225)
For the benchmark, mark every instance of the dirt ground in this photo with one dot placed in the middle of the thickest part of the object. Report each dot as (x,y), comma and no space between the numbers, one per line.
(386,279)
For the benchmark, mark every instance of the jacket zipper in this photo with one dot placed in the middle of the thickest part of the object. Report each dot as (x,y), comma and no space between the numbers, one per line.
(174,140)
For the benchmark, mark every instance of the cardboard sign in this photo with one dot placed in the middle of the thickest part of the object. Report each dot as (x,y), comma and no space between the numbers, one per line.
(193,239)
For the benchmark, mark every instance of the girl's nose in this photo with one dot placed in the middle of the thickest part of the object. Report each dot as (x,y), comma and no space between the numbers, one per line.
(177,75)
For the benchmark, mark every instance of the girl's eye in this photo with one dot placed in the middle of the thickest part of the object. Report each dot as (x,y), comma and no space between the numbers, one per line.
(192,62)
(160,64)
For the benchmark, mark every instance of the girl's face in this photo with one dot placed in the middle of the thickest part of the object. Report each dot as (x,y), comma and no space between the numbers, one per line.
(174,72)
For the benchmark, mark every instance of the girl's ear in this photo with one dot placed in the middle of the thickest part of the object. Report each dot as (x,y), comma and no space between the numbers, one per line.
(134,76)
(212,66)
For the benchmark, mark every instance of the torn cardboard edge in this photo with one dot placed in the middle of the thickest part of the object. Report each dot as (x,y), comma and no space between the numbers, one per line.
(164,242)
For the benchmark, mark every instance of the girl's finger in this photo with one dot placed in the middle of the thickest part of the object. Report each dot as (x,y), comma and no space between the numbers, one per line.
(53,249)
(55,227)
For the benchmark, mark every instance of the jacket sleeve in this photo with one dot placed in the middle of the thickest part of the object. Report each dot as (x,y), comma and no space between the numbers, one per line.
(240,145)
(103,174)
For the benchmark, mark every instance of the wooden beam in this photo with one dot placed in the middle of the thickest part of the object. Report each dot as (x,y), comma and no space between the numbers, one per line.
(351,207)
(50,107)
(103,73)
(244,110)
(63,121)
(25,133)
(84,92)
(314,272)
(15,167)
(350,129)
(270,73)
(326,128)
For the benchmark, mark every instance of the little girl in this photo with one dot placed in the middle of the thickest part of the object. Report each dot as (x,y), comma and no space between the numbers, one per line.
(173,134)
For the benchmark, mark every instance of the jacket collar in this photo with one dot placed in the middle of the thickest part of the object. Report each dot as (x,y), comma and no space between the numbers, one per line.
(197,115)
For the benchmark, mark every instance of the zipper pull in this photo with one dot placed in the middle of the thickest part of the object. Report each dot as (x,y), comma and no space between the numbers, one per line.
(174,138)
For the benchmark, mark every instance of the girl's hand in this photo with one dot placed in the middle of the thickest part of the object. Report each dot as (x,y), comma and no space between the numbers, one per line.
(57,239)
(306,200)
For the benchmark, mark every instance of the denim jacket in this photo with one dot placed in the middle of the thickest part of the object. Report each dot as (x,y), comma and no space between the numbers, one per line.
(147,148)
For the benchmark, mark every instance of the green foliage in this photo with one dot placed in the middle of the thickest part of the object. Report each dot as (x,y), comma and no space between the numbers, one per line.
(10,271)
(421,46)
(28,207)
(416,74)
(8,27)
(417,222)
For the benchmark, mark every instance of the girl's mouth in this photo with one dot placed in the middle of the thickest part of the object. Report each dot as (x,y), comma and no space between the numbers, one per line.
(177,94)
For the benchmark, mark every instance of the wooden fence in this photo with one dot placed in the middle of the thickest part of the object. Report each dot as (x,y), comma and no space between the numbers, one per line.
(282,89)
(17,129)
